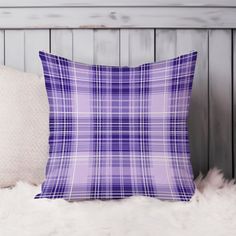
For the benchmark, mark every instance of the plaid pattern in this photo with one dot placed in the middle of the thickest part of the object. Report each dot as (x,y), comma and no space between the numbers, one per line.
(118,131)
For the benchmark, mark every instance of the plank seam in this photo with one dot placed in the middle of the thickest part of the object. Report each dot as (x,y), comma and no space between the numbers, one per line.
(50,40)
(154,31)
(4,47)
(232,91)
(24,51)
(72,42)
(119,48)
(208,98)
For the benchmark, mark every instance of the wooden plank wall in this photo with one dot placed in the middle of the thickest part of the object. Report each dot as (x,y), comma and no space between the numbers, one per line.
(213,104)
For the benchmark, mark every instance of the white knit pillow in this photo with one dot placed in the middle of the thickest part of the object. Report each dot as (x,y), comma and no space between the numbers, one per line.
(23,127)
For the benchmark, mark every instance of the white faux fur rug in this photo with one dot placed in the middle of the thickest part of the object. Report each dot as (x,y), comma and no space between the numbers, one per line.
(211,212)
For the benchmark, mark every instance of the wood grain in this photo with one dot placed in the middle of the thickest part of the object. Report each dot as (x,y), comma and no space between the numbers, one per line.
(188,40)
(62,43)
(22,48)
(220,95)
(15,49)
(166,44)
(35,40)
(92,3)
(83,45)
(106,47)
(137,46)
(118,17)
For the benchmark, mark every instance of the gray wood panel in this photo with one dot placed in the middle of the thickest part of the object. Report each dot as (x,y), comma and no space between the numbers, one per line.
(2,50)
(22,48)
(220,95)
(170,43)
(95,3)
(83,45)
(189,40)
(35,40)
(137,46)
(15,49)
(106,47)
(62,43)
(118,17)
(166,44)
(76,44)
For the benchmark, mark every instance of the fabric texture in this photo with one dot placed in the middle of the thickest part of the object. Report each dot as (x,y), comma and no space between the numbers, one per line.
(24,130)
(116,132)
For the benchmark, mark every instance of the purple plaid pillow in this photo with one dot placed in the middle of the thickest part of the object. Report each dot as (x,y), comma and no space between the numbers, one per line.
(116,132)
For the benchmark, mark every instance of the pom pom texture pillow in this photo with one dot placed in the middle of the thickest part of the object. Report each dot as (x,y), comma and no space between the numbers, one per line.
(116,132)
(24,130)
